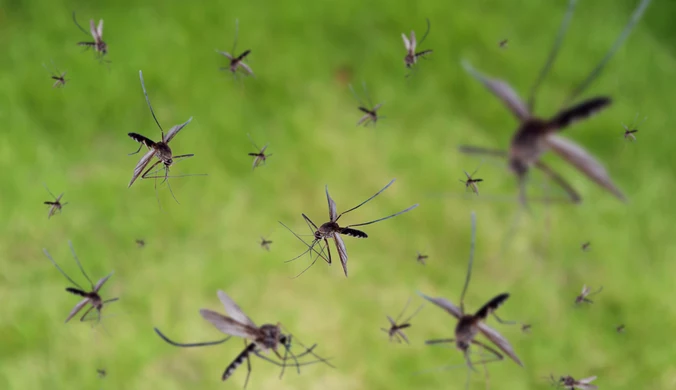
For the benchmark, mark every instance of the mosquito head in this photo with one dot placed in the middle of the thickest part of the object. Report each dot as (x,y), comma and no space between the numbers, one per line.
(271,335)
(168,161)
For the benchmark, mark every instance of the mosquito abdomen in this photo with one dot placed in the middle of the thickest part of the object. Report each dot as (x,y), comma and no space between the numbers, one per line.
(353,232)
(238,361)
(76,291)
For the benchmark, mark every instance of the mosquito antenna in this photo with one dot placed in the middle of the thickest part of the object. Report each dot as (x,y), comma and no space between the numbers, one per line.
(311,352)
(72,250)
(552,54)
(364,202)
(382,219)
(426,32)
(635,17)
(148,101)
(310,247)
(78,25)
(469,267)
(60,270)
(403,311)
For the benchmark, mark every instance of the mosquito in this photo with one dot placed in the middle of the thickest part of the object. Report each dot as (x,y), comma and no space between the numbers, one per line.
(503,43)
(421,258)
(54,205)
(258,340)
(630,131)
(102,372)
(99,45)
(370,114)
(585,246)
(140,243)
(620,328)
(265,244)
(535,135)
(91,297)
(58,77)
(411,44)
(586,292)
(469,325)
(236,61)
(471,182)
(525,328)
(396,328)
(260,156)
(331,229)
(572,383)
(159,149)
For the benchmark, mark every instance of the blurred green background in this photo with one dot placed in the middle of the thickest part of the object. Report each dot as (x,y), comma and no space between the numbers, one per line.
(304,54)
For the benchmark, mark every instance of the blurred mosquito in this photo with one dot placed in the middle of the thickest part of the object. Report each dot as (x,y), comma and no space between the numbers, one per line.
(586,292)
(265,244)
(420,258)
(140,243)
(525,328)
(236,61)
(396,328)
(260,339)
(91,297)
(585,246)
(630,131)
(572,383)
(54,205)
(370,111)
(535,135)
(331,229)
(102,372)
(260,156)
(503,44)
(411,45)
(58,77)
(159,149)
(620,328)
(469,325)
(98,45)
(471,182)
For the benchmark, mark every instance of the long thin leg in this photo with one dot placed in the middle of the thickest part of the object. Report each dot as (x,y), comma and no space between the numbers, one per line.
(78,25)
(72,250)
(140,73)
(234,47)
(366,201)
(60,270)
(184,345)
(310,247)
(403,310)
(384,218)
(471,260)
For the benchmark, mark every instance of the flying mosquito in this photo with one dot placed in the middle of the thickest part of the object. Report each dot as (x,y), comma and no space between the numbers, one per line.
(620,328)
(471,182)
(525,328)
(585,246)
(265,244)
(102,372)
(630,131)
(99,45)
(396,328)
(571,383)
(91,297)
(260,339)
(54,205)
(236,61)
(331,229)
(140,243)
(260,156)
(535,135)
(586,292)
(469,325)
(370,114)
(420,258)
(159,149)
(503,43)
(58,77)
(411,44)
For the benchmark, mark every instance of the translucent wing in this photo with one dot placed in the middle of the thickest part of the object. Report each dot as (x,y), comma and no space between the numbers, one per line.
(77,308)
(92,29)
(413,41)
(444,304)
(227,325)
(407,43)
(333,214)
(174,130)
(587,380)
(233,310)
(585,290)
(141,165)
(246,68)
(342,251)
(377,107)
(499,341)
(364,118)
(101,282)
(226,54)
(99,29)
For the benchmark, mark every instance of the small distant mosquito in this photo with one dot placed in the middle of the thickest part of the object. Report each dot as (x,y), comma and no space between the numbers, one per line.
(99,45)
(102,372)
(58,77)
(469,325)
(141,243)
(237,61)
(585,246)
(422,258)
(525,328)
(91,297)
(571,383)
(620,328)
(471,182)
(265,244)
(396,329)
(503,44)
(331,229)
(259,156)
(535,135)
(54,205)
(260,339)
(630,131)
(370,114)
(586,292)
(411,44)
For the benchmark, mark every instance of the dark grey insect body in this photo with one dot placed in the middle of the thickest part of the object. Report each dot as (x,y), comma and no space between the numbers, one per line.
(411,44)
(140,243)
(237,61)
(471,182)
(571,383)
(370,111)
(585,246)
(265,244)
(54,205)
(620,328)
(99,46)
(629,132)
(420,258)
(503,43)
(586,292)
(259,156)
(395,332)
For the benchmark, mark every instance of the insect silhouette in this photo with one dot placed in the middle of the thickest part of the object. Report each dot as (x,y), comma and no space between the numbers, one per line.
(620,328)
(471,182)
(571,383)
(159,149)
(410,44)
(58,77)
(258,340)
(586,292)
(102,372)
(585,246)
(333,230)
(525,328)
(98,45)
(259,156)
(503,43)
(536,135)
(470,325)
(265,244)
(54,205)
(140,243)
(420,258)
(629,132)
(91,297)
(370,111)
(396,328)
(236,61)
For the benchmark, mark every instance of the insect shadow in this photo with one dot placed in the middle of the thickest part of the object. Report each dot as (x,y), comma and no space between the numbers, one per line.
(54,205)
(237,61)
(395,332)
(58,77)
(370,111)
(99,46)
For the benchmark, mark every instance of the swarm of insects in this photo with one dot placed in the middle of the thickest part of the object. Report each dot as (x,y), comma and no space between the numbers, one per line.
(370,111)
(410,44)
(54,205)
(259,156)
(58,77)
(568,382)
(98,45)
(629,132)
(396,328)
(237,61)
(586,292)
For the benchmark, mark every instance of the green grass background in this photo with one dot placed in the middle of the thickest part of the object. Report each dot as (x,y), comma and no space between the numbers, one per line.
(304,53)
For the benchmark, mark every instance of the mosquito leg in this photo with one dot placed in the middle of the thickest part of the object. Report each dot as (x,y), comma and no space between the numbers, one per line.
(439,341)
(77,260)
(139,149)
(503,321)
(472,245)
(203,344)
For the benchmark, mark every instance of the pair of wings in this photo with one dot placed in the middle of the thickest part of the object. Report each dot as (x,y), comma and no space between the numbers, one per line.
(241,63)
(410,44)
(97,32)
(85,301)
(490,333)
(238,324)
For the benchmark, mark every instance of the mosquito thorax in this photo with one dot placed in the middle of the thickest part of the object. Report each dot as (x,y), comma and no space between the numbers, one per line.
(271,335)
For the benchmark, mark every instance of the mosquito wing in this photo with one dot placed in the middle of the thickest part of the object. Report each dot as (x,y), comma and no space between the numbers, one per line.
(141,165)
(174,130)
(101,282)
(413,41)
(333,214)
(585,290)
(444,304)
(407,43)
(228,325)
(342,251)
(363,119)
(77,308)
(584,162)
(99,30)
(246,68)
(587,380)
(226,54)
(92,29)
(233,310)
(499,341)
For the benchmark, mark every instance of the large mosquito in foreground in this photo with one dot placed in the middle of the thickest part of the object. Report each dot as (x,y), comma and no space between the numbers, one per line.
(91,297)
(159,149)
(411,45)
(535,135)
(237,61)
(259,156)
(99,45)
(54,205)
(331,229)
(396,328)
(370,111)
(469,325)
(257,339)
(571,383)
(58,77)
